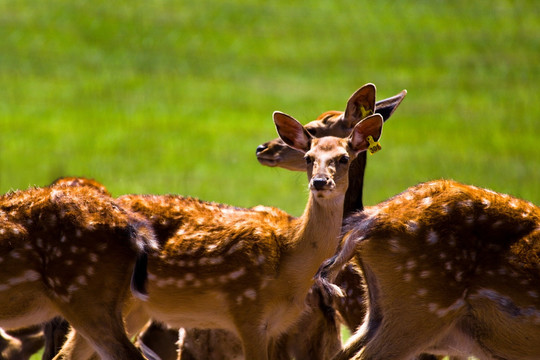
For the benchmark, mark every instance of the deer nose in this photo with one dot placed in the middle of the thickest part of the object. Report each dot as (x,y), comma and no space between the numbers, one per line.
(319,183)
(260,149)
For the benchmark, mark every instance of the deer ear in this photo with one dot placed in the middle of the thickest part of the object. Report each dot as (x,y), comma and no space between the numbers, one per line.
(292,132)
(387,107)
(360,105)
(370,126)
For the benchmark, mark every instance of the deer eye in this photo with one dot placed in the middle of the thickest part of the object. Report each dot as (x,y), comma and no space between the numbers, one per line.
(308,159)
(313,132)
(344,159)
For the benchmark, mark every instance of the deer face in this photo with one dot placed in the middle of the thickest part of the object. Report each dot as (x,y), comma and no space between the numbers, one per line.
(327,166)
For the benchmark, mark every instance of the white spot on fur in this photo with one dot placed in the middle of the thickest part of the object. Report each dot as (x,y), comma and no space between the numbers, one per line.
(432,237)
(82,280)
(216,260)
(455,306)
(236,274)
(496,224)
(260,259)
(250,294)
(189,277)
(27,276)
(235,247)
(421,291)
(411,264)
(395,246)
(445,209)
(407,277)
(78,233)
(427,201)
(425,274)
(412,226)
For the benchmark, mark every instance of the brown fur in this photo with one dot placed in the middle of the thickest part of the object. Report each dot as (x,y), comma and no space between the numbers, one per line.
(20,344)
(53,243)
(450,269)
(245,270)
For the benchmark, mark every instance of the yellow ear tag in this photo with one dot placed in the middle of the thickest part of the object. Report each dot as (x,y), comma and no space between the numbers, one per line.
(374,146)
(365,112)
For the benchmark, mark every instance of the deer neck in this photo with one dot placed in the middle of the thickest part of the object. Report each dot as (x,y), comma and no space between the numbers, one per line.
(353,197)
(315,239)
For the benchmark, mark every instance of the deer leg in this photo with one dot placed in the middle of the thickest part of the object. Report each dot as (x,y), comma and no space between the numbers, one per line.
(75,347)
(104,335)
(410,337)
(254,342)
(55,332)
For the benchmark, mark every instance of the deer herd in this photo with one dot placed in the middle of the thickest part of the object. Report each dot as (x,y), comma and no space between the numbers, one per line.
(441,270)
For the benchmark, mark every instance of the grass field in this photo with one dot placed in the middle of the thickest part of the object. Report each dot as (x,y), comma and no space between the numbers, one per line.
(159,96)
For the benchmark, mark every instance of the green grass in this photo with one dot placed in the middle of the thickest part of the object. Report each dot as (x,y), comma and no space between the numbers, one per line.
(174,96)
(163,96)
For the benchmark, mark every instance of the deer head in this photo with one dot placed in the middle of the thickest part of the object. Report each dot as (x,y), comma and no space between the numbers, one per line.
(331,123)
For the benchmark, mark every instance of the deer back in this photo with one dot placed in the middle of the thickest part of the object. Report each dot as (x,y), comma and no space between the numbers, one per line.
(455,268)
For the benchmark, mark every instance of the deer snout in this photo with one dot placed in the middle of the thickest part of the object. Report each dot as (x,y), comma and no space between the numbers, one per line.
(261,148)
(321,183)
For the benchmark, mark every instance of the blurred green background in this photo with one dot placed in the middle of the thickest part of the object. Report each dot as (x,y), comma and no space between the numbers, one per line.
(166,96)
(159,96)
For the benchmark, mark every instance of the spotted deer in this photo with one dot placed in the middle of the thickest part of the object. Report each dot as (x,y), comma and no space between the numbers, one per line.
(339,123)
(71,251)
(449,269)
(245,270)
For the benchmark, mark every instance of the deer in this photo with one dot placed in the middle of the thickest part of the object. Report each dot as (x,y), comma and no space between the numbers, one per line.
(274,153)
(449,269)
(56,245)
(244,270)
(21,344)
(317,335)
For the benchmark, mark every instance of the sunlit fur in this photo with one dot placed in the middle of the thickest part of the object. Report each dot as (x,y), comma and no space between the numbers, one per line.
(70,251)
(450,269)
